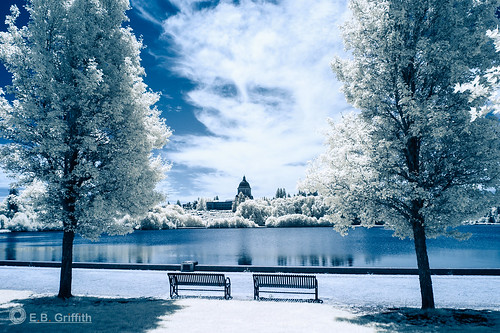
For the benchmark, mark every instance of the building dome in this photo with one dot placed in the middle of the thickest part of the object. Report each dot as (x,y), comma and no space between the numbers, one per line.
(244,183)
(245,188)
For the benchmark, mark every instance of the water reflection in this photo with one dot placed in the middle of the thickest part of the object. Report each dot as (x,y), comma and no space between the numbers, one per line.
(244,257)
(324,261)
(122,253)
(10,250)
(261,247)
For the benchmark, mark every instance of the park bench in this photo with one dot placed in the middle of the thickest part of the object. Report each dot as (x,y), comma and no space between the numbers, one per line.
(200,282)
(268,283)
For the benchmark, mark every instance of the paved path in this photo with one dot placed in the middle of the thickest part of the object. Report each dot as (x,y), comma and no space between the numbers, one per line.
(202,316)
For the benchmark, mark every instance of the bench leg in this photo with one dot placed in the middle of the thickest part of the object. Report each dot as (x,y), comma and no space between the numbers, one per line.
(174,290)
(227,289)
(255,289)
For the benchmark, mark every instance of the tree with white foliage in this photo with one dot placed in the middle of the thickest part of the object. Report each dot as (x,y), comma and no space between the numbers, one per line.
(19,210)
(82,120)
(238,200)
(201,204)
(415,158)
(12,204)
(254,210)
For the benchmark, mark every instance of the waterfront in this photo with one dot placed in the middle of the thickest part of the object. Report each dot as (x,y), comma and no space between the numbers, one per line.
(323,247)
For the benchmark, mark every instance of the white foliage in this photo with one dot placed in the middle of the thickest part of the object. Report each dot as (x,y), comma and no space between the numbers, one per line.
(255,210)
(201,204)
(159,218)
(190,221)
(4,221)
(342,174)
(83,120)
(260,210)
(29,206)
(23,222)
(295,220)
(413,155)
(169,217)
(485,86)
(233,222)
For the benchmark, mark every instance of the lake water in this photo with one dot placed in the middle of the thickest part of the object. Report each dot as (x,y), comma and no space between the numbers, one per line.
(362,247)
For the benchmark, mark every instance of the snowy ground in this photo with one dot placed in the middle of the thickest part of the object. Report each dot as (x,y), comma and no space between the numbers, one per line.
(355,303)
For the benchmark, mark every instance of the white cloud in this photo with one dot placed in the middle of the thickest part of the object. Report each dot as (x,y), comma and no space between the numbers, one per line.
(265,89)
(147,10)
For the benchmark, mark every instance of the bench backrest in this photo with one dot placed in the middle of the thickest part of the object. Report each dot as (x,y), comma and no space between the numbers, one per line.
(285,281)
(199,279)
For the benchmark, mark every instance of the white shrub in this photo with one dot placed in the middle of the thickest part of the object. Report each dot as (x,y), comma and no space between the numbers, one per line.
(155,221)
(4,220)
(164,217)
(202,204)
(313,206)
(282,207)
(254,210)
(191,221)
(233,222)
(23,222)
(295,220)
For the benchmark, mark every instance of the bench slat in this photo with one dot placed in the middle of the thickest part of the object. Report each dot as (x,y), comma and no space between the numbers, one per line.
(199,279)
(289,281)
(286,281)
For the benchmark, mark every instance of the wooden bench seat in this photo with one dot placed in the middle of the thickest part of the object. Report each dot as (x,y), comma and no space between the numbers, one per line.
(201,282)
(273,283)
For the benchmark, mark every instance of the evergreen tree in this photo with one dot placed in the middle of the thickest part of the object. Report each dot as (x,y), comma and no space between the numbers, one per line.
(280,193)
(82,121)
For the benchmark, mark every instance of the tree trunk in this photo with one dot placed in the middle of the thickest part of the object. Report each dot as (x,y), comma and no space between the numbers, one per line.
(66,265)
(417,222)
(424,271)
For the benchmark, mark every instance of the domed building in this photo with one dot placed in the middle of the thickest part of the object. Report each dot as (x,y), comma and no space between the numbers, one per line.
(245,189)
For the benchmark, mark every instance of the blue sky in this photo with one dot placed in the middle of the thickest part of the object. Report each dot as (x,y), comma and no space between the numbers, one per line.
(246,88)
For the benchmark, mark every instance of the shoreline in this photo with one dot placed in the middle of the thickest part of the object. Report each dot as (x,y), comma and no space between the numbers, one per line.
(262,269)
(256,227)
